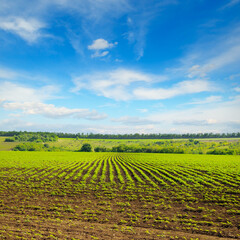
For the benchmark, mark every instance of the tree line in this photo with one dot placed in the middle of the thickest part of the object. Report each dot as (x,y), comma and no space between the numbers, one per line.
(32,137)
(126,136)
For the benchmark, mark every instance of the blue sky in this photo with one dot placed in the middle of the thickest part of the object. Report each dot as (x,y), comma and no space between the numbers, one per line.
(122,66)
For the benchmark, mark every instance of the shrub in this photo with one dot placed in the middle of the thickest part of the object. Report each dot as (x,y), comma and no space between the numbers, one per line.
(9,140)
(221,152)
(86,148)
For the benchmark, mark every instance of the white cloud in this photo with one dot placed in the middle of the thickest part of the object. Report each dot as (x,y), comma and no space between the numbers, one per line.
(13,124)
(198,71)
(28,29)
(237,89)
(229,55)
(234,76)
(123,84)
(15,92)
(96,10)
(28,18)
(119,129)
(99,45)
(100,54)
(206,59)
(143,110)
(139,20)
(16,124)
(221,116)
(221,52)
(211,99)
(30,101)
(127,120)
(118,60)
(76,42)
(113,84)
(181,88)
(7,74)
(231,3)
(138,27)
(51,111)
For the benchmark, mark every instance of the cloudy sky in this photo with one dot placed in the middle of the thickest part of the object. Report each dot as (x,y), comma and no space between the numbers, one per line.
(122,66)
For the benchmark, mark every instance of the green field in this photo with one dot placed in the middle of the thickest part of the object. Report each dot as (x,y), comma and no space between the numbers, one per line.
(69,195)
(70,144)
(6,146)
(196,146)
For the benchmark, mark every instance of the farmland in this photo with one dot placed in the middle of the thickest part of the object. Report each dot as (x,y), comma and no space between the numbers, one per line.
(66,195)
(189,146)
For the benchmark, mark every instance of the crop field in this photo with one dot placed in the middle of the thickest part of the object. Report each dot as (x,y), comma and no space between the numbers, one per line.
(76,195)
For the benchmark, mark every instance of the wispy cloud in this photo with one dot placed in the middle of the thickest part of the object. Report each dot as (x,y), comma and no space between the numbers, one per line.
(115,84)
(143,110)
(229,56)
(139,20)
(99,54)
(128,120)
(234,76)
(12,124)
(27,29)
(211,99)
(95,17)
(237,89)
(51,111)
(137,34)
(7,73)
(123,84)
(16,124)
(15,92)
(92,9)
(219,116)
(220,52)
(181,88)
(97,10)
(230,4)
(29,20)
(191,122)
(76,42)
(30,101)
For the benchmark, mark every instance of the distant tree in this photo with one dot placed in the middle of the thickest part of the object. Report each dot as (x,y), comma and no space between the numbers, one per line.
(9,140)
(196,142)
(86,147)
(101,149)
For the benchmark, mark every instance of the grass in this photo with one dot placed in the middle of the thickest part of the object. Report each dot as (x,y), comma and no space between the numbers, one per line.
(200,146)
(6,146)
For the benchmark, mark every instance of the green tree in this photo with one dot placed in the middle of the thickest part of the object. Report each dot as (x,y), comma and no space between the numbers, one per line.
(86,147)
(9,140)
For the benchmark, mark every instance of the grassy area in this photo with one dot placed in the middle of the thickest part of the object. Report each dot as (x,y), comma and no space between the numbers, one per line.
(6,146)
(203,146)
(66,195)
(196,146)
